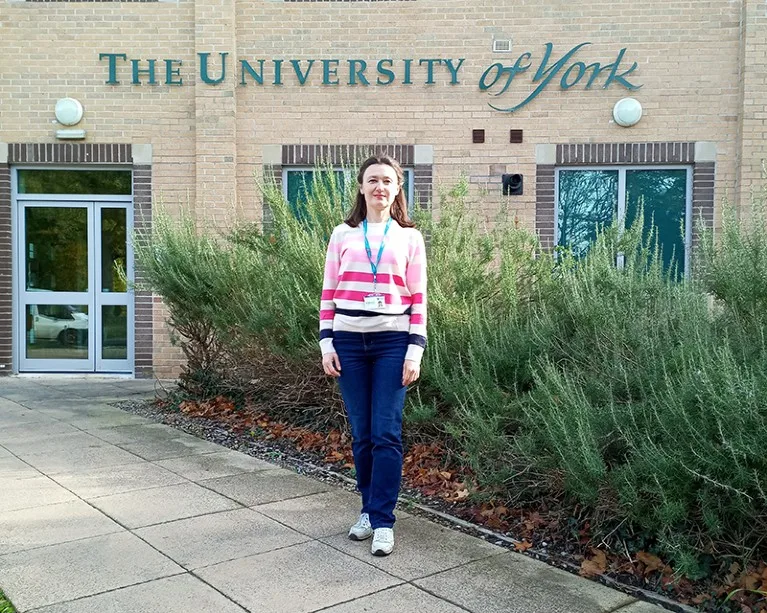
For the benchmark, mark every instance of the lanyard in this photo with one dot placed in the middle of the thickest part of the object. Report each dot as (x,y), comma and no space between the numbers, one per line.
(374,267)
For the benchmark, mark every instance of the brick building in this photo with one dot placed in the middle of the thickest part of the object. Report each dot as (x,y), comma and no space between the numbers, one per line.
(109,107)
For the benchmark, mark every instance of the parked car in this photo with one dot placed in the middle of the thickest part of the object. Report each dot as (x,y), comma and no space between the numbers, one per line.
(61,322)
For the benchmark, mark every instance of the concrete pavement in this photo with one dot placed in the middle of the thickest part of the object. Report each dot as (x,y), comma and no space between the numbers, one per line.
(102,511)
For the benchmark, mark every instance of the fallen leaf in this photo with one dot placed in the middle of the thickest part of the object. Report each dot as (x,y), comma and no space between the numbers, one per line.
(651,562)
(523,546)
(596,565)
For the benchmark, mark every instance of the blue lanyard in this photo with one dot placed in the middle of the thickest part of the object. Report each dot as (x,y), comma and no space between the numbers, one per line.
(374,267)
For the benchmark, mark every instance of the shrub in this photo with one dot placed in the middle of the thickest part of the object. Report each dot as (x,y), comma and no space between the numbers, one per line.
(618,386)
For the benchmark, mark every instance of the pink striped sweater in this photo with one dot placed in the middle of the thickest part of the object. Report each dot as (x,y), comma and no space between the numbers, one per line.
(349,278)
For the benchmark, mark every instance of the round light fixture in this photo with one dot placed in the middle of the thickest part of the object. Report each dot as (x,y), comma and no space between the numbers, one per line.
(627,112)
(69,111)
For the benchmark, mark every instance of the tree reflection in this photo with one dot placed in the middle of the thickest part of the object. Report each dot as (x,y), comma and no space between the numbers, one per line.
(588,199)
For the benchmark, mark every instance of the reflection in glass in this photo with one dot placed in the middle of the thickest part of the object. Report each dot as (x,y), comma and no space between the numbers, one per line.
(113,250)
(588,199)
(76,182)
(57,331)
(662,196)
(304,183)
(114,332)
(56,248)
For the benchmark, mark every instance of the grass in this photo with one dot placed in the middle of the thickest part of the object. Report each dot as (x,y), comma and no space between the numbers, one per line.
(6,606)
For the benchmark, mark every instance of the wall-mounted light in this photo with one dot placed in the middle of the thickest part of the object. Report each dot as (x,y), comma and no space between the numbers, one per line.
(627,112)
(69,112)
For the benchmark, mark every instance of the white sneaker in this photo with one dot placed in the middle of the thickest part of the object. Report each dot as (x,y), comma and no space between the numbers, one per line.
(383,542)
(362,529)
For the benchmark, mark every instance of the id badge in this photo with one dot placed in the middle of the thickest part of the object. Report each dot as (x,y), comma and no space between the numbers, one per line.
(375,301)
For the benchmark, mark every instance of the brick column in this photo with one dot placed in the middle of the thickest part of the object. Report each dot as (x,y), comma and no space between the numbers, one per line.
(6,259)
(144,306)
(545,200)
(215,110)
(752,129)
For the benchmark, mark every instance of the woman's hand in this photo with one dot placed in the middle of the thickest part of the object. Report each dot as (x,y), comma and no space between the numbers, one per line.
(331,364)
(410,372)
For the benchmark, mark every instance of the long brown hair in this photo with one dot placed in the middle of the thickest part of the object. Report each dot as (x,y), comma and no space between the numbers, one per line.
(398,207)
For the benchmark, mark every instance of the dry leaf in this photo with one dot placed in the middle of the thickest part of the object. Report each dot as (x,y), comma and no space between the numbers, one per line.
(651,562)
(596,565)
(523,546)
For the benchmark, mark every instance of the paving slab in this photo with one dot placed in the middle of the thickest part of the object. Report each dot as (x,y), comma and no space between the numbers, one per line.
(317,515)
(213,465)
(512,583)
(179,446)
(423,548)
(12,468)
(66,403)
(141,508)
(86,389)
(34,431)
(270,582)
(54,442)
(10,417)
(52,524)
(219,537)
(402,598)
(252,489)
(7,405)
(179,594)
(27,391)
(30,492)
(78,460)
(58,573)
(91,416)
(117,479)
(134,433)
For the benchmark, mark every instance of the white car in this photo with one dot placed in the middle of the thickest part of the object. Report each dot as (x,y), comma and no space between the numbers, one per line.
(58,322)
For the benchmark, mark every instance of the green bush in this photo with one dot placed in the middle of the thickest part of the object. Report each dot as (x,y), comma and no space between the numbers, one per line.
(618,386)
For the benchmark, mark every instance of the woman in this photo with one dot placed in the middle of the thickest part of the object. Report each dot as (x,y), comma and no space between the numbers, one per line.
(373,333)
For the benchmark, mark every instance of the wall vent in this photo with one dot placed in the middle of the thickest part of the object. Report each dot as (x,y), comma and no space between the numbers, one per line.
(501,46)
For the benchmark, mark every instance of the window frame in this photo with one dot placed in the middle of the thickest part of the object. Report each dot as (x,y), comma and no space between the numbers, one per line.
(622,169)
(409,172)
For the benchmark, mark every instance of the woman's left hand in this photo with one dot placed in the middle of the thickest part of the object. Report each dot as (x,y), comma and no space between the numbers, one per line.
(410,372)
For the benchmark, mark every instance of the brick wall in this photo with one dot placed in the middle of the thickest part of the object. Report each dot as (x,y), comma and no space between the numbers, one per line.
(752,171)
(6,304)
(208,140)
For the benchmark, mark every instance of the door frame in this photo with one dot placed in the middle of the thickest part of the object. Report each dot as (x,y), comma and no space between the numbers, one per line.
(18,325)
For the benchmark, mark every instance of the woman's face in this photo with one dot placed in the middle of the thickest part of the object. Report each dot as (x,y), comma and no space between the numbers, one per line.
(379,187)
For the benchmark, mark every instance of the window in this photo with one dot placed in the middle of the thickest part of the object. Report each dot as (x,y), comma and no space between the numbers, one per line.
(298,183)
(96,182)
(591,197)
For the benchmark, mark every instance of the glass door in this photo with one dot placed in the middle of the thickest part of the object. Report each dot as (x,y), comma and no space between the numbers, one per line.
(74,301)
(113,308)
(56,286)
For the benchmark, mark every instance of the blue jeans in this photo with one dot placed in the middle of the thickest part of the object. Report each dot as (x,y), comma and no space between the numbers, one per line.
(371,386)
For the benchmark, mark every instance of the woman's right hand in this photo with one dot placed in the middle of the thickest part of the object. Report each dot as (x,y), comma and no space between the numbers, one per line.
(331,364)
